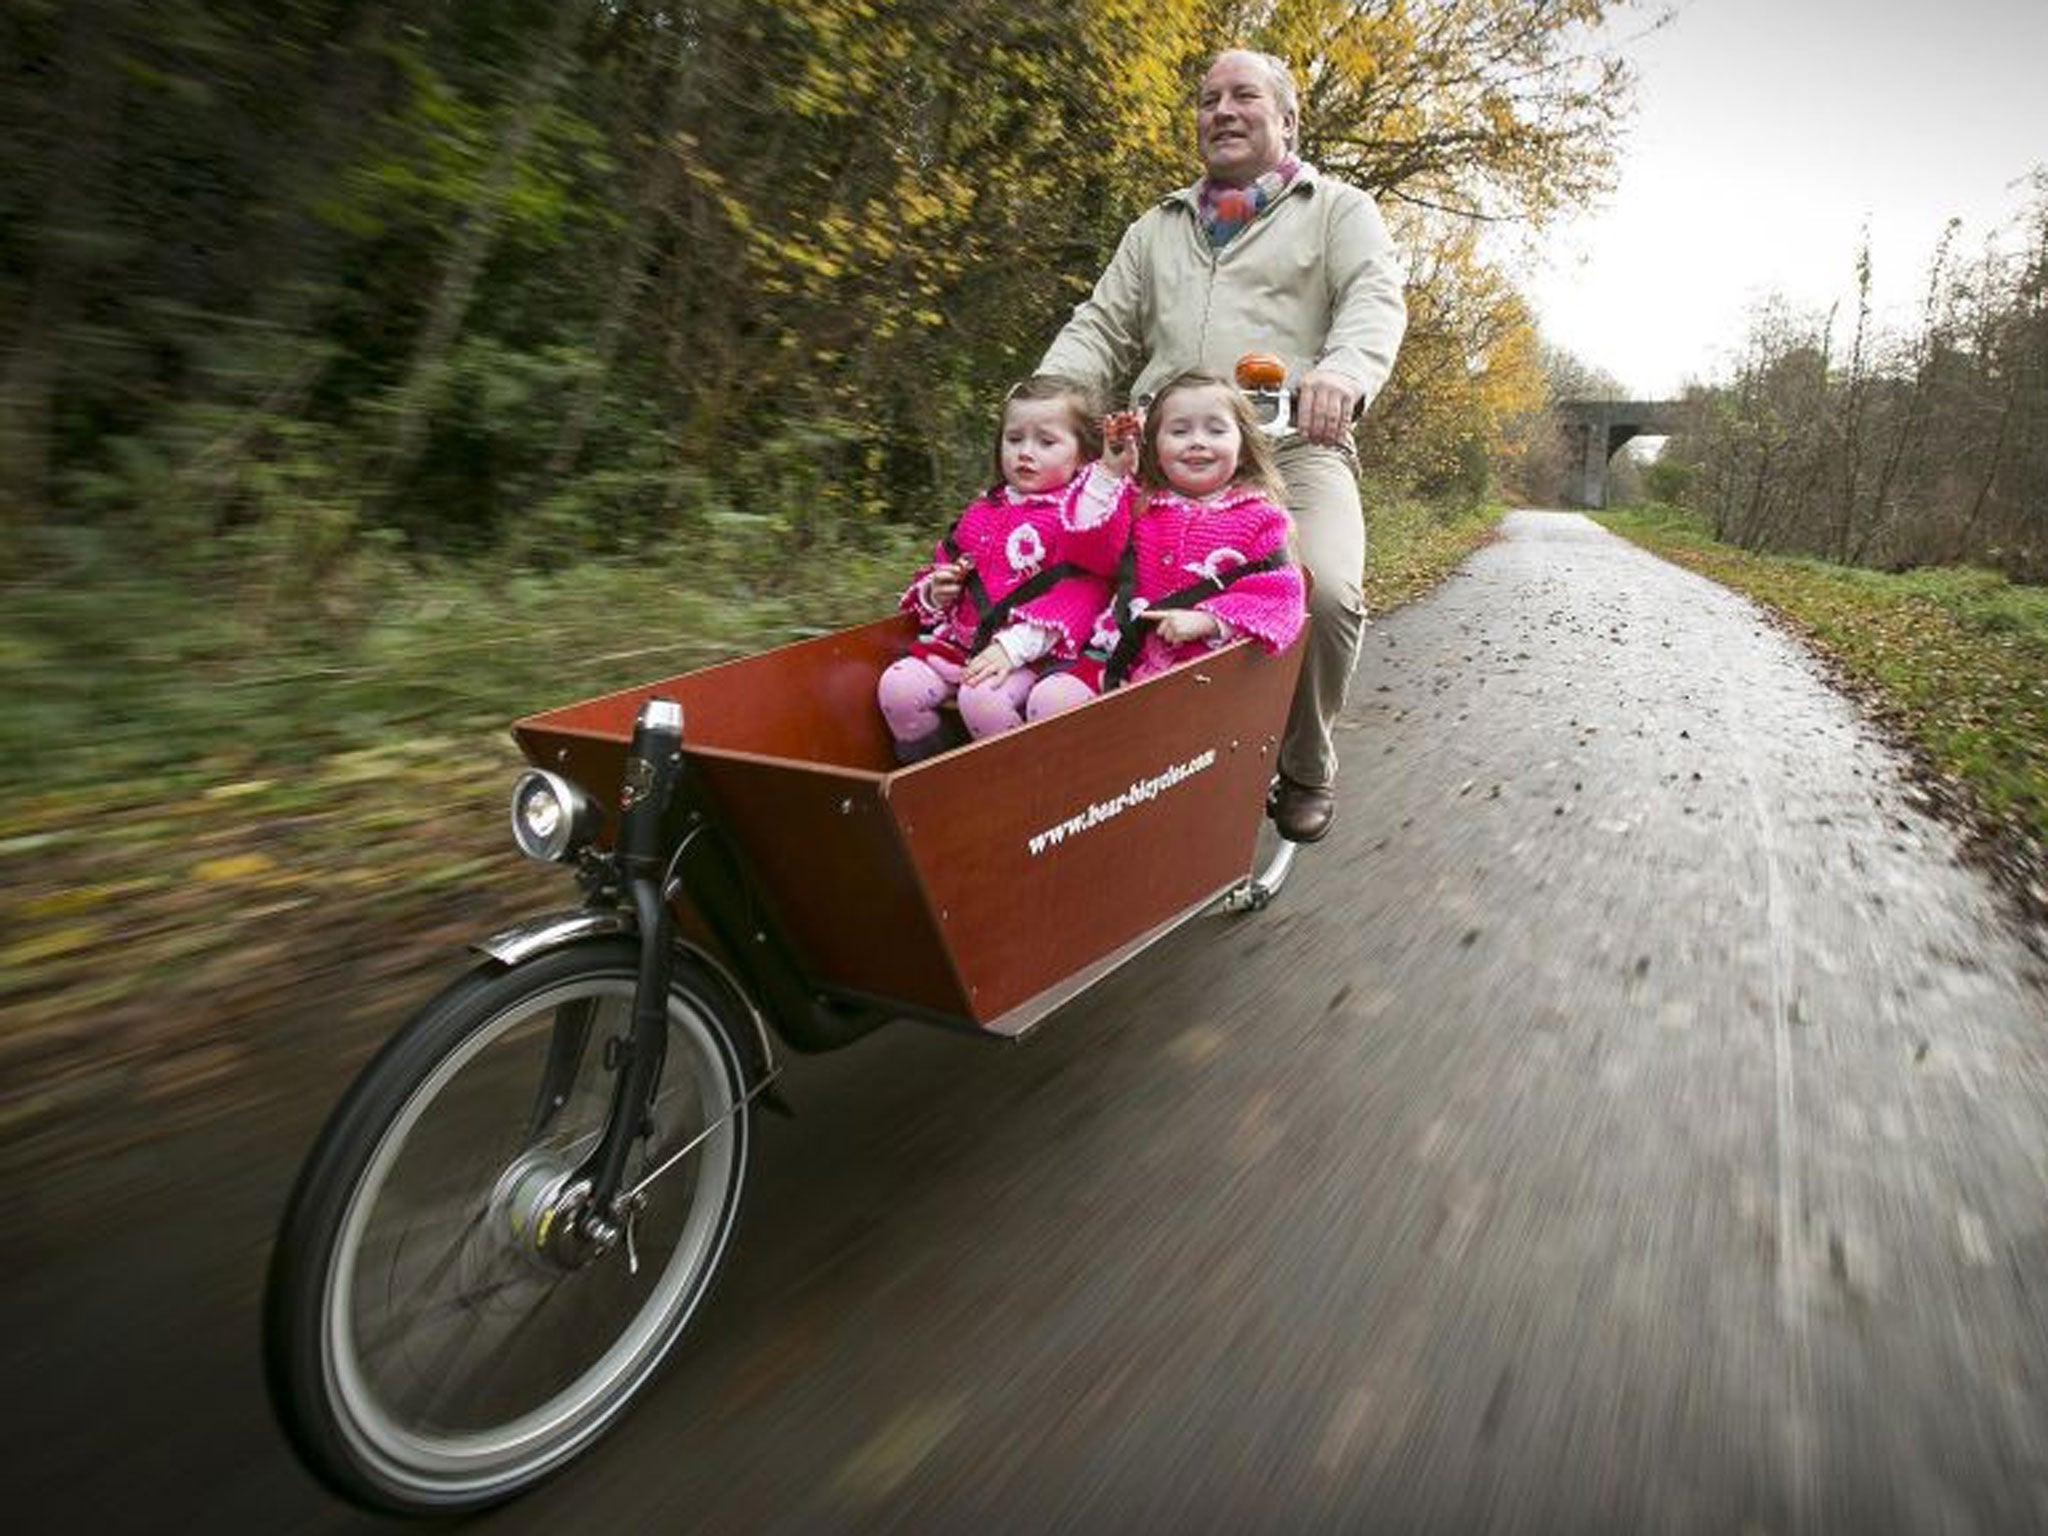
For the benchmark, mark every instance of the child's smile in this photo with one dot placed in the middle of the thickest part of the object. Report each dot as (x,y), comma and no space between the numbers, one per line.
(1199,442)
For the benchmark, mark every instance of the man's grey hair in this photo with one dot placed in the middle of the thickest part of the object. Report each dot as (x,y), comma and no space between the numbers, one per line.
(1280,78)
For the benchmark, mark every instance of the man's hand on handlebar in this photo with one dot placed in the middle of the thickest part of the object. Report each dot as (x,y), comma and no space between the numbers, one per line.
(1324,404)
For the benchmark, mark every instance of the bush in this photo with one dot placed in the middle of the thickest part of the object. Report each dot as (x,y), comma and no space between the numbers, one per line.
(1668,480)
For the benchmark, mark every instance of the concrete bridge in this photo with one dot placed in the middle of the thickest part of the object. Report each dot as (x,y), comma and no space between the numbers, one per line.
(1593,429)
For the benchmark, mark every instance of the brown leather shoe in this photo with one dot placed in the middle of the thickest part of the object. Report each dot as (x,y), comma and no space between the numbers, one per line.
(1302,814)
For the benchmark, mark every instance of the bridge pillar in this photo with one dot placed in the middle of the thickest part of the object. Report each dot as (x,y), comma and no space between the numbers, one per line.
(1588,481)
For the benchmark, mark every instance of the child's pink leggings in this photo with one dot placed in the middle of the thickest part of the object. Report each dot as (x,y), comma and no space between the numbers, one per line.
(911,691)
(1055,695)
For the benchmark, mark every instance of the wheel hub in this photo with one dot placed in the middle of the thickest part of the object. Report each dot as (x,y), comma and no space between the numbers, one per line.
(544,1208)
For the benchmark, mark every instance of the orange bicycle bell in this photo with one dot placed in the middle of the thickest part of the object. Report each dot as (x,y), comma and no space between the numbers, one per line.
(1260,370)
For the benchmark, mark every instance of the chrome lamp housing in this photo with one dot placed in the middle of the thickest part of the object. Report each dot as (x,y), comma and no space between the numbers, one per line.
(552,820)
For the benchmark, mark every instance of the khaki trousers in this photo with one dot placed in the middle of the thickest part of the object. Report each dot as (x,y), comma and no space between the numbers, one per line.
(1329,525)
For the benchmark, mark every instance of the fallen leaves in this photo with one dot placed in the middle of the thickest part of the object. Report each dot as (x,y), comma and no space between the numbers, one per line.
(236,867)
(147,946)
(1954,665)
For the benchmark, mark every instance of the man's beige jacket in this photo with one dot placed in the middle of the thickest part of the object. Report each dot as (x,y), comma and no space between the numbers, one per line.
(1314,280)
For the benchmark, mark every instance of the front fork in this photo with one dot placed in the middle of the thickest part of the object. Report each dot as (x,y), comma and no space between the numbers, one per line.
(653,832)
(653,764)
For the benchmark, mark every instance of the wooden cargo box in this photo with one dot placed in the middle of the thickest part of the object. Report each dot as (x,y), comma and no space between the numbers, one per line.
(988,884)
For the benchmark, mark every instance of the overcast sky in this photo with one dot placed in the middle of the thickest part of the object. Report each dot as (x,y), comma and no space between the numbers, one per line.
(1767,133)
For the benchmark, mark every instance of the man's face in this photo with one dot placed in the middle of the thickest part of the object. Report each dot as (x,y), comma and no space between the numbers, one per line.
(1240,129)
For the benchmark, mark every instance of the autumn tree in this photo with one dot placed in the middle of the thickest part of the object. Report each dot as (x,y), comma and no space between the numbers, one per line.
(1469,369)
(549,279)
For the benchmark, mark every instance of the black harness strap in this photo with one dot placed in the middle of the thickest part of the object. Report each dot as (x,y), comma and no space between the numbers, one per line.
(995,615)
(1130,630)
(993,618)
(973,584)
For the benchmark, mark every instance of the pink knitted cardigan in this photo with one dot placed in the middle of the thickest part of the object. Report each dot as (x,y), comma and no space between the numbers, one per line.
(1011,538)
(1179,541)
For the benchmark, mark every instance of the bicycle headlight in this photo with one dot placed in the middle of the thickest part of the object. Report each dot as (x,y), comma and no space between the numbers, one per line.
(552,820)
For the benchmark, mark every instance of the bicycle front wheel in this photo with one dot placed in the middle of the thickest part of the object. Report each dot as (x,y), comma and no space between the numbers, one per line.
(438,1334)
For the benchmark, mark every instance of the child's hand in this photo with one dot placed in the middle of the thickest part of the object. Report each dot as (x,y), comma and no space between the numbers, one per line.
(1177,626)
(1120,442)
(946,581)
(989,665)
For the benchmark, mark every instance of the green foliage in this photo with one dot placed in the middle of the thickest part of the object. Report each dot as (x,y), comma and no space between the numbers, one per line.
(1469,477)
(137,685)
(1669,479)
(1413,542)
(356,269)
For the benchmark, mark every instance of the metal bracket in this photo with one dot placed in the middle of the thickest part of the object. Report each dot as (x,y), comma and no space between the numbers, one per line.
(697,1140)
(1261,887)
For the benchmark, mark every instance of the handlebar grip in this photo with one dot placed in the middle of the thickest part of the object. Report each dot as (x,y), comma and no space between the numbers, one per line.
(1284,404)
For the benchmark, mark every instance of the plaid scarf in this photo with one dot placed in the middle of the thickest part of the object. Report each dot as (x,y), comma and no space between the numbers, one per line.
(1226,210)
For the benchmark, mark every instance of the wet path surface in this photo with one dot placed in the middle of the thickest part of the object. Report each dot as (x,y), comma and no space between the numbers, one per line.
(1633,1117)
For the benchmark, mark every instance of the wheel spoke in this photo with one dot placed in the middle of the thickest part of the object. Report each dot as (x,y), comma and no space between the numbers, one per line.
(435,1272)
(412,1322)
(503,1355)
(478,1358)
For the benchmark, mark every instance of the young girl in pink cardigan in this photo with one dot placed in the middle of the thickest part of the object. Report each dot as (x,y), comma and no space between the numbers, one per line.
(1197,546)
(976,642)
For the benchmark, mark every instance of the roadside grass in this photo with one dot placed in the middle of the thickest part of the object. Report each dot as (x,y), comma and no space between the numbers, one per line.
(1955,659)
(1413,545)
(232,823)
(135,686)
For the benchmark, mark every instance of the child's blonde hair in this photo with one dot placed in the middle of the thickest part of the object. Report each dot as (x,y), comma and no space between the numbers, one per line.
(1255,463)
(1084,410)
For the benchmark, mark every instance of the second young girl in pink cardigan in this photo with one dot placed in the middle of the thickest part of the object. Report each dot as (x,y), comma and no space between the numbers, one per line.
(1197,546)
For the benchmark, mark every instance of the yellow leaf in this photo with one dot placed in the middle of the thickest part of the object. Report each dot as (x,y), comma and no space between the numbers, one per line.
(881,1466)
(239,866)
(49,945)
(236,791)
(81,898)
